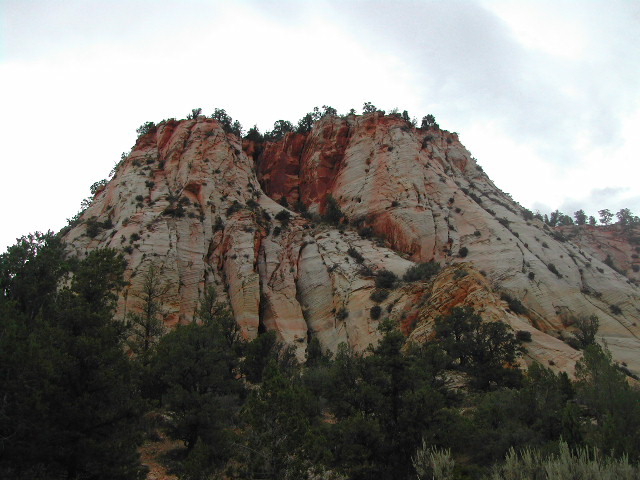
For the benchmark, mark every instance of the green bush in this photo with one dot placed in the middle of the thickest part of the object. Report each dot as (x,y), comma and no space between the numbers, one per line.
(421,272)
(353,253)
(523,336)
(283,216)
(386,279)
(515,305)
(375,312)
(379,295)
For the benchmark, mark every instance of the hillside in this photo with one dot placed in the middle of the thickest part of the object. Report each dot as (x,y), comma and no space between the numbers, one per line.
(206,207)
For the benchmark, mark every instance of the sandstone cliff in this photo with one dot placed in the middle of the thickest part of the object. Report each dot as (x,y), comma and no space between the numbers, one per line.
(196,202)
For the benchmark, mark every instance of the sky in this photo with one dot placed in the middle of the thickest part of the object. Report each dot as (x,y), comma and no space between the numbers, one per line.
(544,94)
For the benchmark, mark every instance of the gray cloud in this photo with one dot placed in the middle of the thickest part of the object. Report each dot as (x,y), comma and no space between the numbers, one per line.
(472,66)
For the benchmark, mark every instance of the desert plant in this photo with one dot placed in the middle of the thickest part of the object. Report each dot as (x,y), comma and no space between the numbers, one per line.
(433,463)
(421,271)
(386,279)
(379,295)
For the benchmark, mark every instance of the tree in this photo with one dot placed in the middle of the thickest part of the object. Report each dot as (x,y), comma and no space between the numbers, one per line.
(195,112)
(327,110)
(69,407)
(280,129)
(592,220)
(486,350)
(305,124)
(429,121)
(605,216)
(147,324)
(196,367)
(332,212)
(586,330)
(146,128)
(254,134)
(613,405)
(580,216)
(626,217)
(368,107)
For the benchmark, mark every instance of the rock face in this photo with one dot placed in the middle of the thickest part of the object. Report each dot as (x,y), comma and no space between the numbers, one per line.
(196,202)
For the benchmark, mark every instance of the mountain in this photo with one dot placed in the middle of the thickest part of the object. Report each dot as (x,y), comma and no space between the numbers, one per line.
(362,195)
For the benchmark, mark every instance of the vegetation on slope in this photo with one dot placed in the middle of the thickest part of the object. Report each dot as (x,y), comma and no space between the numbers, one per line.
(73,402)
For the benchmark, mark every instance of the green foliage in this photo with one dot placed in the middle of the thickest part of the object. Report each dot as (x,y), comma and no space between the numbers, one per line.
(283,216)
(605,216)
(433,463)
(581,463)
(613,405)
(486,350)
(384,403)
(195,371)
(375,312)
(386,279)
(195,112)
(254,134)
(421,272)
(230,126)
(332,212)
(552,268)
(580,216)
(429,121)
(97,186)
(280,129)
(233,208)
(146,325)
(626,217)
(69,408)
(586,330)
(523,336)
(355,254)
(146,128)
(379,295)
(305,124)
(368,107)
(463,252)
(515,305)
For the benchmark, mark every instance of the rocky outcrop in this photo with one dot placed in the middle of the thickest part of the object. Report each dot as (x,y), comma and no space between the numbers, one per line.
(202,206)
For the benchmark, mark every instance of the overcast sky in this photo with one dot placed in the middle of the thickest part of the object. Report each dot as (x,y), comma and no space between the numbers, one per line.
(545,94)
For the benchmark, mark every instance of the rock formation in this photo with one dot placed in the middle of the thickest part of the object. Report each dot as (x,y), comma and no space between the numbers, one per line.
(203,205)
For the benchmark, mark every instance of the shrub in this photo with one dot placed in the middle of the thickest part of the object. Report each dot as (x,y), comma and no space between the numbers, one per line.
(514,304)
(97,186)
(145,128)
(332,212)
(615,309)
(386,279)
(353,253)
(586,330)
(379,295)
(421,272)
(233,208)
(375,312)
(552,268)
(532,275)
(523,336)
(463,252)
(342,313)
(283,216)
